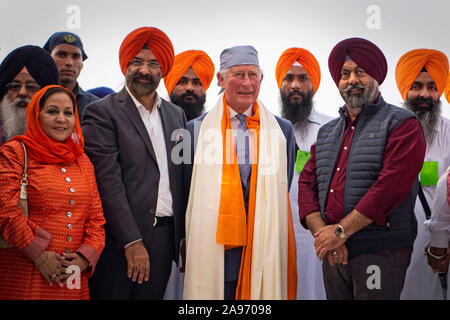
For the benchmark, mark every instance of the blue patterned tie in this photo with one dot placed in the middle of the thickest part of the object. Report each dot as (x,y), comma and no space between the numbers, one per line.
(243,151)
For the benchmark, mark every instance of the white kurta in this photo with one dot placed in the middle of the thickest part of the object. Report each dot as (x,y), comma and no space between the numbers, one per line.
(421,283)
(309,267)
(439,224)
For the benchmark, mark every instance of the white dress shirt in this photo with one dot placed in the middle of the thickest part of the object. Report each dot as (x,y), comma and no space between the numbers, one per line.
(153,124)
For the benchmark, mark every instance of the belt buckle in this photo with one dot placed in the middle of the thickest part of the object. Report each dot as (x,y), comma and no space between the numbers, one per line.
(156,221)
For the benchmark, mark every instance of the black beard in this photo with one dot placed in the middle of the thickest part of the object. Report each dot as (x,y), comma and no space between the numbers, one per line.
(296,112)
(428,116)
(192,109)
(141,89)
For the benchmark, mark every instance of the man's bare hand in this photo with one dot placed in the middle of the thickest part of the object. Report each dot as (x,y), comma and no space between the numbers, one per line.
(338,255)
(438,265)
(138,262)
(326,240)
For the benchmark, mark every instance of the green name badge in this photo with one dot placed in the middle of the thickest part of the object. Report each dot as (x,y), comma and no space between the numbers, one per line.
(429,175)
(302,158)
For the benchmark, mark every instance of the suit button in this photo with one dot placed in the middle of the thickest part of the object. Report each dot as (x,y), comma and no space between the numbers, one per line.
(68,179)
(72,190)
(67,251)
(152,211)
(72,202)
(69,214)
(69,226)
(69,239)
(63,170)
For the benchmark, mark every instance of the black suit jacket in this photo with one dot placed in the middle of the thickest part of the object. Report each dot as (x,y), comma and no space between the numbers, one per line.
(118,145)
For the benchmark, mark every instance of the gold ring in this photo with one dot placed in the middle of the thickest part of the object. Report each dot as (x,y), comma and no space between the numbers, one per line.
(54,276)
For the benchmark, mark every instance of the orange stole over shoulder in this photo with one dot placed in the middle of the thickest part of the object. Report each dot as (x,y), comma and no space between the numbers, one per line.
(234,228)
(232,225)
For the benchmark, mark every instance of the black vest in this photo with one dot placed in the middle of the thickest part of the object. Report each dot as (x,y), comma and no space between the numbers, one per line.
(374,125)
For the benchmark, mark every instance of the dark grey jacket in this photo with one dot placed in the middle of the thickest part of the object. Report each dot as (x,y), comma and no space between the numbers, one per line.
(365,162)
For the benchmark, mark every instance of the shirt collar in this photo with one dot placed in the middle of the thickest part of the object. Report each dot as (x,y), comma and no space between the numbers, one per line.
(139,105)
(248,112)
(314,117)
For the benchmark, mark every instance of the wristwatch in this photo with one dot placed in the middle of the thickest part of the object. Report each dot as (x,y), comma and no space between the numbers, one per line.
(340,231)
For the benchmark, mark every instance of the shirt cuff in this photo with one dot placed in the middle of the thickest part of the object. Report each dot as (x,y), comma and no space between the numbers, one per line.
(439,239)
(129,244)
(38,245)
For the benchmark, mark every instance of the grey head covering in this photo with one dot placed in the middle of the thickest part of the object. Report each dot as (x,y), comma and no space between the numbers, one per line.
(238,56)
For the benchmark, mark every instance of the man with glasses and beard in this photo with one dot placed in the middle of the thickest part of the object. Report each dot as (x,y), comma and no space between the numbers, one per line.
(128,137)
(22,73)
(357,189)
(421,77)
(298,78)
(187,82)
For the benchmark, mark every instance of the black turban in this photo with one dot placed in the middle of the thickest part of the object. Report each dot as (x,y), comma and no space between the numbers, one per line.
(38,62)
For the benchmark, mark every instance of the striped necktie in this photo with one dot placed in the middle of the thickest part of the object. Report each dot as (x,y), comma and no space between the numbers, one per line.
(243,151)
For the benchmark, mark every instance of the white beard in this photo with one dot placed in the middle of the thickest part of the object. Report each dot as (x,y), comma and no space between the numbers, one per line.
(13,117)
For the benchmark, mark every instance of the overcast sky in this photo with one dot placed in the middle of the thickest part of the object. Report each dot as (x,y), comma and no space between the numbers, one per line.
(271,27)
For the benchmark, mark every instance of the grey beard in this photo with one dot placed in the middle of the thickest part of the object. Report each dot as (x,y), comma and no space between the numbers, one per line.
(356,101)
(428,117)
(13,117)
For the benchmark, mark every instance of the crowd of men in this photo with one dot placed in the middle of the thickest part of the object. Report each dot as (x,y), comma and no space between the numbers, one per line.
(255,206)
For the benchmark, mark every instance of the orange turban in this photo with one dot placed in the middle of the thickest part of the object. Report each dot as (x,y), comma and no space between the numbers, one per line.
(411,63)
(200,62)
(447,89)
(156,40)
(305,58)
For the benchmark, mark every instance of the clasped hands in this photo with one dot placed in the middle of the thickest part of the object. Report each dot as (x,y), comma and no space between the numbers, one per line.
(329,244)
(53,266)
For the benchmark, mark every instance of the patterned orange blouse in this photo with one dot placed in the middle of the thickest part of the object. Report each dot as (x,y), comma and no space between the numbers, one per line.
(65,215)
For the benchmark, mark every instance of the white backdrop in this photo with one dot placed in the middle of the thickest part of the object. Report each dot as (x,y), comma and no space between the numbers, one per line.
(271,27)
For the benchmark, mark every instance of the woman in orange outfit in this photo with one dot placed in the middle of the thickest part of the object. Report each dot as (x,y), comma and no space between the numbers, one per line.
(65,225)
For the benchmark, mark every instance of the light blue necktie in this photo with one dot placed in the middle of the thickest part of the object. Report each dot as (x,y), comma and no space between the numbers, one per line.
(243,151)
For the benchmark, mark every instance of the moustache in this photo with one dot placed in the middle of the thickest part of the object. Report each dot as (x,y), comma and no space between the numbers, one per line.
(296,92)
(139,76)
(418,101)
(358,86)
(22,102)
(189,94)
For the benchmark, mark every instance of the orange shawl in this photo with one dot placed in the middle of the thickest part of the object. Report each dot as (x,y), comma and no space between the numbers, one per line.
(234,228)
